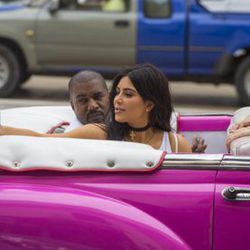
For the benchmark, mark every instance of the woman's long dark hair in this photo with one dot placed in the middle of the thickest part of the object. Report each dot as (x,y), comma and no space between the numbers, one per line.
(152,85)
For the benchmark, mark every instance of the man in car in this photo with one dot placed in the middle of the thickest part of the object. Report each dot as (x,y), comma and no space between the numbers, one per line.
(89,100)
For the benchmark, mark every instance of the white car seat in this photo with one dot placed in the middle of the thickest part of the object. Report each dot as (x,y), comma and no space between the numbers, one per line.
(39,119)
(240,146)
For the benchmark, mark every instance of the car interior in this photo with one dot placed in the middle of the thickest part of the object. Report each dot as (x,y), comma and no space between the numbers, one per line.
(213,128)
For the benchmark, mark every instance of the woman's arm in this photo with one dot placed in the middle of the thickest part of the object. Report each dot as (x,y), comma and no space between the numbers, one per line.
(5,130)
(183,145)
(89,131)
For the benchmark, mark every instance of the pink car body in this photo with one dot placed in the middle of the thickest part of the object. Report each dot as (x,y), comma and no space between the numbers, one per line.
(185,201)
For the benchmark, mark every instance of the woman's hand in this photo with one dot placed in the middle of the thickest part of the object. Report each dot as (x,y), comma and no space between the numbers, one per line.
(238,130)
(198,145)
(242,124)
(235,134)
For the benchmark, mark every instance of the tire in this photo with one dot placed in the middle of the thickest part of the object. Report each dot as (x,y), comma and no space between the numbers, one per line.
(24,78)
(242,81)
(10,72)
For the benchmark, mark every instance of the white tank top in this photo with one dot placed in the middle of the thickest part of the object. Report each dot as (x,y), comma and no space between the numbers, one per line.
(165,145)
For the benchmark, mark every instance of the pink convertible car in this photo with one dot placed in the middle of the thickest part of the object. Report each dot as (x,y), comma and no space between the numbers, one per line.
(69,194)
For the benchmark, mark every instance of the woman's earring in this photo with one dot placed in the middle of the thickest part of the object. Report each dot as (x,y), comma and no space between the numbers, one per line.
(149,107)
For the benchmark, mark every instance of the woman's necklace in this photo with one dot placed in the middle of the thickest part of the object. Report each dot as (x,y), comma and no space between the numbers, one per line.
(132,133)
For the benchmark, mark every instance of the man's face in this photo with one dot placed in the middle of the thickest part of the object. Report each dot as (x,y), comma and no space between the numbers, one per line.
(90,101)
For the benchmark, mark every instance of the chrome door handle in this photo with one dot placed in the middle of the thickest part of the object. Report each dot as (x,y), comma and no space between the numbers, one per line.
(236,194)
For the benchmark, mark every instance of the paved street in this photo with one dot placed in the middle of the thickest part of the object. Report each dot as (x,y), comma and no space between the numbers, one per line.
(188,97)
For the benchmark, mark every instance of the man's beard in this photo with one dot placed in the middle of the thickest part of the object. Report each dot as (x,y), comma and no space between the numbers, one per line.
(95,117)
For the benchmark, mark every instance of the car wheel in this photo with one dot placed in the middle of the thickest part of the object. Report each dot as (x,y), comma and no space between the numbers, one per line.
(9,71)
(24,78)
(242,81)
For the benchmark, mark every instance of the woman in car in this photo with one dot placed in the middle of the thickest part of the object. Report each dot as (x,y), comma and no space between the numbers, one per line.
(140,108)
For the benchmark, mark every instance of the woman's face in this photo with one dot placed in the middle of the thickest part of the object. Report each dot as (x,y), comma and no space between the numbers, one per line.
(129,105)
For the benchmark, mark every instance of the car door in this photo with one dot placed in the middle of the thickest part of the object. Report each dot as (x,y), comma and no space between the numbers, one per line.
(207,36)
(82,34)
(161,34)
(232,204)
(212,37)
(179,195)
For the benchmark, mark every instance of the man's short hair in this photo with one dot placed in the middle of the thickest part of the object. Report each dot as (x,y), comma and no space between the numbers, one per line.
(86,76)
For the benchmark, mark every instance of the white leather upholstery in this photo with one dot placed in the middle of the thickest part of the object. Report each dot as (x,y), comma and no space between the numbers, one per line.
(22,153)
(240,146)
(39,119)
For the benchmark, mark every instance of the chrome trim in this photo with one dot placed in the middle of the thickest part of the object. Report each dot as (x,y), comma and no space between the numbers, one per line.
(232,193)
(207,114)
(231,162)
(206,161)
(192,161)
(189,167)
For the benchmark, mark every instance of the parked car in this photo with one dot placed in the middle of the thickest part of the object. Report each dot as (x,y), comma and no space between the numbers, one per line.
(199,40)
(58,193)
